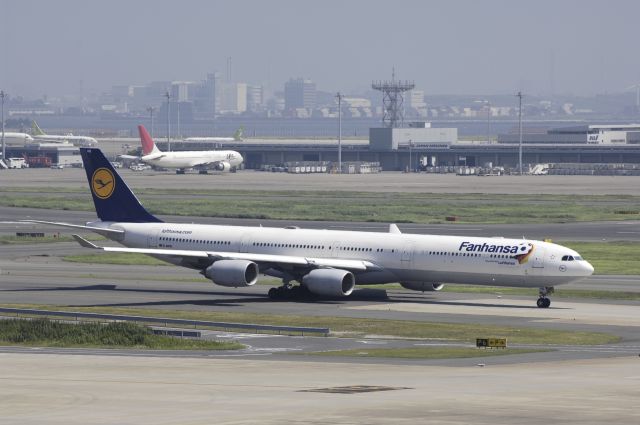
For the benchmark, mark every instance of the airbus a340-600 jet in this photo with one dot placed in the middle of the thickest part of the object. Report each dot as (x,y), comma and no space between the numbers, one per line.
(324,262)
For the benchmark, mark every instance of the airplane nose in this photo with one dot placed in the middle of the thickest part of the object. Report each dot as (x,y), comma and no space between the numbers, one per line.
(588,268)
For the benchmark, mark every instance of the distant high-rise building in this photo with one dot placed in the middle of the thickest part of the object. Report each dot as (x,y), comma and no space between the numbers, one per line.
(255,98)
(183,91)
(415,104)
(233,97)
(299,93)
(205,102)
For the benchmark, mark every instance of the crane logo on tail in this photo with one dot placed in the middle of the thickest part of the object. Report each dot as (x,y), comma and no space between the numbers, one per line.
(103,183)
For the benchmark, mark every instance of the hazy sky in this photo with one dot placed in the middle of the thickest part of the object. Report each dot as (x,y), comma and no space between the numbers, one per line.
(447,47)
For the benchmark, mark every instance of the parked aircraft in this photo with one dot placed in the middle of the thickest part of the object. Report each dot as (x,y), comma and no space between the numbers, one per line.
(237,137)
(12,137)
(181,160)
(324,262)
(38,134)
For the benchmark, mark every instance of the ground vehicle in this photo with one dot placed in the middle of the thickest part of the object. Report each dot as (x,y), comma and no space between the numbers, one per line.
(17,163)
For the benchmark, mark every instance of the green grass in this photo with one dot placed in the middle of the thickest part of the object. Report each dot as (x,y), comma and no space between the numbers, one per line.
(610,257)
(358,327)
(120,258)
(425,353)
(360,206)
(47,333)
(21,240)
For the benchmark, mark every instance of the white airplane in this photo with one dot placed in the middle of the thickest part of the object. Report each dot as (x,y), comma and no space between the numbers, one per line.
(237,137)
(201,160)
(11,137)
(38,134)
(324,262)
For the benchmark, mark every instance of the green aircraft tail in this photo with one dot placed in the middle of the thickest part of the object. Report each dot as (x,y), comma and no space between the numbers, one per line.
(36,130)
(238,134)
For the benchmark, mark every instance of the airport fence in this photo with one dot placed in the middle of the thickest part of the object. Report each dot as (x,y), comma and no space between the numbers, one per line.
(80,316)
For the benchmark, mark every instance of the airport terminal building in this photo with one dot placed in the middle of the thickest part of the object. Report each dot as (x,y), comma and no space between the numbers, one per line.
(398,149)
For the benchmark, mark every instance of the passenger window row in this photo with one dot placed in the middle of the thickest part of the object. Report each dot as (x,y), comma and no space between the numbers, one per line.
(467,254)
(202,241)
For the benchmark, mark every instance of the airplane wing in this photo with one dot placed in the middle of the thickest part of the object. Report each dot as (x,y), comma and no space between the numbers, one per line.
(355,265)
(129,157)
(202,163)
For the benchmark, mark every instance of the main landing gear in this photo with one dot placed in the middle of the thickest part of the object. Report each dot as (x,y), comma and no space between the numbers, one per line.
(288,292)
(543,301)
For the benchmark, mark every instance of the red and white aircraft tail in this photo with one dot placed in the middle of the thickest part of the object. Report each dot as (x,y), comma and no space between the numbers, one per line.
(148,145)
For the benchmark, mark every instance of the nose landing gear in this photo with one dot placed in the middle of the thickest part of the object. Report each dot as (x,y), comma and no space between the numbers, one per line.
(543,301)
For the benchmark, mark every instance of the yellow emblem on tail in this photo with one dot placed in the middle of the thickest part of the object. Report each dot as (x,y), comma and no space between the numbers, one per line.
(103,183)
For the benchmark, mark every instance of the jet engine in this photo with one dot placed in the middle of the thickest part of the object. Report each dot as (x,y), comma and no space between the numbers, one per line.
(330,282)
(422,286)
(233,273)
(222,166)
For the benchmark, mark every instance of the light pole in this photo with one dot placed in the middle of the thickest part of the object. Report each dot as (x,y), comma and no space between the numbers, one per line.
(2,96)
(178,117)
(520,132)
(168,96)
(339,96)
(151,109)
(410,161)
(488,121)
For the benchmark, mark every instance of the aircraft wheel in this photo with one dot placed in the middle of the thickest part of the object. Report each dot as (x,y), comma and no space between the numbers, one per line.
(540,302)
(273,293)
(547,303)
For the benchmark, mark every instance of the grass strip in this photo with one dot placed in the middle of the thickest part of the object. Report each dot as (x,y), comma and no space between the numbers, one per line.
(119,258)
(362,327)
(22,240)
(47,333)
(425,353)
(610,257)
(361,206)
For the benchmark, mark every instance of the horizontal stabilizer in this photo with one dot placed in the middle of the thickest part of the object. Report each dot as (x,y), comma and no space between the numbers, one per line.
(99,230)
(85,243)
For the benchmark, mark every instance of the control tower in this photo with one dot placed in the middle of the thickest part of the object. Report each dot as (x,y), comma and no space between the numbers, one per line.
(392,99)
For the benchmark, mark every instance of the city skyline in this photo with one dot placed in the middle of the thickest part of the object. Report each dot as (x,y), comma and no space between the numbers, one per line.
(71,47)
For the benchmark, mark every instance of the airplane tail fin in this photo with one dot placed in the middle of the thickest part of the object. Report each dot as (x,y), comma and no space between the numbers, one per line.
(237,136)
(112,198)
(36,130)
(148,145)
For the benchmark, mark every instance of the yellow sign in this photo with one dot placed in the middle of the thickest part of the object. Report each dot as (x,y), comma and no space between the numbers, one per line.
(103,183)
(491,342)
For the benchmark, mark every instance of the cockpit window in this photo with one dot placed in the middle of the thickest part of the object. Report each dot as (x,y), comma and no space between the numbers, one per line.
(578,258)
(569,258)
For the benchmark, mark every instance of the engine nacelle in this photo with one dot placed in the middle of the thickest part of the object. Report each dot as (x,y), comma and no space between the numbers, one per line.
(222,166)
(233,273)
(422,286)
(330,282)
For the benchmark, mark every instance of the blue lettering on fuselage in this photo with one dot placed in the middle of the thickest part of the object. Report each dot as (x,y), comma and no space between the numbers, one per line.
(485,247)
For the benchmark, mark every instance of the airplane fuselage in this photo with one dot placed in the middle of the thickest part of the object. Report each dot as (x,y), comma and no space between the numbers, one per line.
(395,257)
(83,140)
(192,159)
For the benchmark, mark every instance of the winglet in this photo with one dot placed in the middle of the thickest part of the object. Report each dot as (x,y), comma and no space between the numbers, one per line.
(393,228)
(85,243)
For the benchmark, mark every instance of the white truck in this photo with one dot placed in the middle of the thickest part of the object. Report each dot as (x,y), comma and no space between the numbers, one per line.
(17,163)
